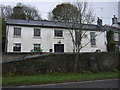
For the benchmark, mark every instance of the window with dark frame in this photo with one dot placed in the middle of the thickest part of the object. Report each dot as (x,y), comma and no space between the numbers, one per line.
(92,37)
(17,47)
(58,33)
(37,32)
(58,47)
(116,36)
(37,47)
(17,31)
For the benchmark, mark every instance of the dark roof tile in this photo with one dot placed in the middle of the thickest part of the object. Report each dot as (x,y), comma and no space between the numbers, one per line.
(45,23)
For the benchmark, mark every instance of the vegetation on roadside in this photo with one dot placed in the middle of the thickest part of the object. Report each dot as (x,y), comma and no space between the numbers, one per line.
(3,30)
(56,68)
(62,63)
(42,79)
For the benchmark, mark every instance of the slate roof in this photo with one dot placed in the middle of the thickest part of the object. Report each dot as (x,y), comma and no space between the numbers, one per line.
(34,23)
(55,24)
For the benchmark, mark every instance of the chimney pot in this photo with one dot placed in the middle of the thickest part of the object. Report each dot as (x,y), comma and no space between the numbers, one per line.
(114,20)
(99,22)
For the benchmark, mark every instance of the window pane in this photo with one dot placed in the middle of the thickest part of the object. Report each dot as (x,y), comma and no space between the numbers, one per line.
(36,47)
(92,36)
(17,31)
(58,33)
(116,36)
(17,47)
(36,32)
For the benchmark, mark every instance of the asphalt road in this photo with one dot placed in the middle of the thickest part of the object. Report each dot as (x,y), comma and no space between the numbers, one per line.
(108,83)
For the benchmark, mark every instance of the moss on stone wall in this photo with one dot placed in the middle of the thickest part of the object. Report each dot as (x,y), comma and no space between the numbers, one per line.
(62,63)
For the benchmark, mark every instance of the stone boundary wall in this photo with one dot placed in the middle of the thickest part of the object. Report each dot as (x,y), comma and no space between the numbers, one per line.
(64,62)
(10,56)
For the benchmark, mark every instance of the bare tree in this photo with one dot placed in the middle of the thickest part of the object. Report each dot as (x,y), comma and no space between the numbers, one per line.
(75,15)
(85,16)
(20,11)
(6,11)
(50,18)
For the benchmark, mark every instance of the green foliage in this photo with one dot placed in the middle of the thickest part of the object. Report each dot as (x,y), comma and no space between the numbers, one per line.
(3,28)
(37,79)
(110,36)
(61,63)
(21,11)
(38,49)
(0,33)
(77,12)
(65,12)
(3,34)
(110,41)
(18,12)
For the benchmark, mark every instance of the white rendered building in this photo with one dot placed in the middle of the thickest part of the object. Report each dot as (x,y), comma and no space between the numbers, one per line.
(116,23)
(50,36)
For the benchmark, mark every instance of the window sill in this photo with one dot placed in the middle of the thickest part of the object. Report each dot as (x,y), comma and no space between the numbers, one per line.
(17,37)
(36,37)
(16,51)
(58,37)
(93,46)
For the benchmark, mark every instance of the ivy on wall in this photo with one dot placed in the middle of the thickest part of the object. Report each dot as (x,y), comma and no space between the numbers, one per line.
(110,41)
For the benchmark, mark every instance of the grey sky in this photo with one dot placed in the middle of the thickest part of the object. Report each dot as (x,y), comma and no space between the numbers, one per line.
(108,8)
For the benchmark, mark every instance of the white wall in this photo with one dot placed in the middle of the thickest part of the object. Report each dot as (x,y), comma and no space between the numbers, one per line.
(47,40)
(119,11)
(100,42)
(116,25)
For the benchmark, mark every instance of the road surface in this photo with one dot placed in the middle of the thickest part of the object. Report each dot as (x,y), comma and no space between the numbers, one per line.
(108,83)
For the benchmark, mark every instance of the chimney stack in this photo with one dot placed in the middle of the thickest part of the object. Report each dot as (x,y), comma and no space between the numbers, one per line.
(99,22)
(114,20)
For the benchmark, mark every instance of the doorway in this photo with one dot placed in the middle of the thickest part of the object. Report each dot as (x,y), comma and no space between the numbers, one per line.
(58,47)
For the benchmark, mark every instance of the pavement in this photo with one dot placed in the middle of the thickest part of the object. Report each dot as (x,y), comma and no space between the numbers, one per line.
(106,83)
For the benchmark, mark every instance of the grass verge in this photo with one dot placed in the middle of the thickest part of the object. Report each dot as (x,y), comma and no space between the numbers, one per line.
(42,79)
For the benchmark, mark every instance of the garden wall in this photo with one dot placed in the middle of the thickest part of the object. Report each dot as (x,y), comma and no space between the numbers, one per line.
(11,56)
(62,63)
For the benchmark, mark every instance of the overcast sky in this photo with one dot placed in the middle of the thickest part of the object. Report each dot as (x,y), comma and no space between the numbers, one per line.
(104,9)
